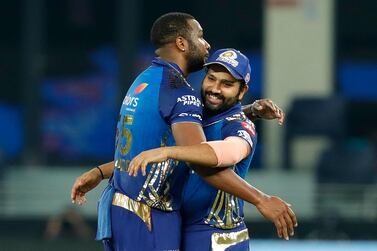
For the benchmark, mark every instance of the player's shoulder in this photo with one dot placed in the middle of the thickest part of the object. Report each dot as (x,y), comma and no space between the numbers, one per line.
(173,79)
(175,87)
(238,118)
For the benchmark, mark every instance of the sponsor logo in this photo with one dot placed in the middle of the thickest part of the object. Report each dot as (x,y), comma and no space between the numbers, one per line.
(140,88)
(249,128)
(189,100)
(237,116)
(184,114)
(130,101)
(228,57)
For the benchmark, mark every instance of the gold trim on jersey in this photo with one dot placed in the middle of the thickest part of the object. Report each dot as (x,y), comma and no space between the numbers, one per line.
(138,208)
(222,241)
(156,188)
(229,205)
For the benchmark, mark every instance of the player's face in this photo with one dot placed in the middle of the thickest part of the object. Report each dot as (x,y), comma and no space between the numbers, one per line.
(197,53)
(220,90)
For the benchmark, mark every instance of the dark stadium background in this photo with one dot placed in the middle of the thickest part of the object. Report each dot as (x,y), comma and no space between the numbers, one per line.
(66,65)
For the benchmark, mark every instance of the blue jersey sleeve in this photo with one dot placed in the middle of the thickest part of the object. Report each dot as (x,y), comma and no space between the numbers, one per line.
(240,128)
(178,102)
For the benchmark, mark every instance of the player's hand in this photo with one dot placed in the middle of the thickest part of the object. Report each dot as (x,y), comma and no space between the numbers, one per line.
(280,213)
(84,184)
(144,158)
(266,109)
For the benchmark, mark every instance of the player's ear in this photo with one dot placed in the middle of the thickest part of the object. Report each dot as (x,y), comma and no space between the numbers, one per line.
(181,43)
(243,92)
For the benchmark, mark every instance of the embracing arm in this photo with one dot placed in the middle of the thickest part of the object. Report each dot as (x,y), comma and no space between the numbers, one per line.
(225,179)
(222,178)
(219,153)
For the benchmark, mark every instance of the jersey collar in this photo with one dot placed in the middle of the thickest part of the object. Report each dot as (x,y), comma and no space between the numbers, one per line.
(160,61)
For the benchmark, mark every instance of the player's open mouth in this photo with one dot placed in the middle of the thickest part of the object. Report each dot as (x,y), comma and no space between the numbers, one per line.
(213,99)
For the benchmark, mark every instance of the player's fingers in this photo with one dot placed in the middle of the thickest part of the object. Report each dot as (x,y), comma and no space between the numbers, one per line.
(284,228)
(73,192)
(131,167)
(144,167)
(258,105)
(278,228)
(73,197)
(134,167)
(75,189)
(282,117)
(293,217)
(271,104)
(276,109)
(81,200)
(77,199)
(289,222)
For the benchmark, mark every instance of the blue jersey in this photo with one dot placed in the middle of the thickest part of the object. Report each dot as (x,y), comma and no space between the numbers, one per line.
(158,98)
(204,204)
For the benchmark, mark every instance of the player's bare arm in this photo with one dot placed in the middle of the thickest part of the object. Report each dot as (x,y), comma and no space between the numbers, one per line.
(213,154)
(273,208)
(264,109)
(200,154)
(89,180)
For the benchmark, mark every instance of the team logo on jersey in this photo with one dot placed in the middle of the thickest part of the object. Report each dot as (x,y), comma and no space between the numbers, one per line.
(189,100)
(127,141)
(228,57)
(249,128)
(140,88)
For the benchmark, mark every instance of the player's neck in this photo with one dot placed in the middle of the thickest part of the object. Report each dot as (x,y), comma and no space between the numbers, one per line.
(171,56)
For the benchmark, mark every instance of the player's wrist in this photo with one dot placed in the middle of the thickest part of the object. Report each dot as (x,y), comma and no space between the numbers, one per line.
(261,199)
(96,172)
(100,172)
(169,153)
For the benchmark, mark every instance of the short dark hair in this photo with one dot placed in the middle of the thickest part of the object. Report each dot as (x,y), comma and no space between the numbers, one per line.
(169,26)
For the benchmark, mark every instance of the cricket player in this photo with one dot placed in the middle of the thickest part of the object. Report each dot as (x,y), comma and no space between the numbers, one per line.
(213,219)
(160,109)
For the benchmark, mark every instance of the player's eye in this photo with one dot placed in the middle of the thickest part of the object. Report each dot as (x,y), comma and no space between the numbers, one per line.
(211,78)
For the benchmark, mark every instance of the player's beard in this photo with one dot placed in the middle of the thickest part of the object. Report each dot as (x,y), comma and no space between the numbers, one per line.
(226,104)
(195,61)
